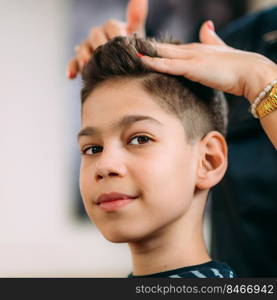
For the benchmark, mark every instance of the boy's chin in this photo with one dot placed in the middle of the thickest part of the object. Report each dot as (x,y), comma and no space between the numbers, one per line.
(122,237)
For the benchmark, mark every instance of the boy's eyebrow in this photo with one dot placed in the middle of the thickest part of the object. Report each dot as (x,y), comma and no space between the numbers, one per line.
(126,121)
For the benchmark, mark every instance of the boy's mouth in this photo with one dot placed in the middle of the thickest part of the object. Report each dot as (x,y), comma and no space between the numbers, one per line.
(114,204)
(113,201)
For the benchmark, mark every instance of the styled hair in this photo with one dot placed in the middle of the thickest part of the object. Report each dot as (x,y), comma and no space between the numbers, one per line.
(200,108)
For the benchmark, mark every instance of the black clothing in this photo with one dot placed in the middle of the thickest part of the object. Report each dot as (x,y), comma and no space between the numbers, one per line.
(244,203)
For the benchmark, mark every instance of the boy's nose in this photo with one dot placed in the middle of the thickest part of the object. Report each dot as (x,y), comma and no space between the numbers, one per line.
(102,173)
(109,165)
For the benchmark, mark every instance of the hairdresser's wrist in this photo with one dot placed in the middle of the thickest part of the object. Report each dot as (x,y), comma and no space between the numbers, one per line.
(258,79)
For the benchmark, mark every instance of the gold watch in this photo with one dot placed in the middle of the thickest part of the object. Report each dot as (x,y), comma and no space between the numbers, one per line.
(268,104)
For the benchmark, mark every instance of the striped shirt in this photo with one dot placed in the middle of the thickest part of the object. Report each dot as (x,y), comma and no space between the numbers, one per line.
(211,269)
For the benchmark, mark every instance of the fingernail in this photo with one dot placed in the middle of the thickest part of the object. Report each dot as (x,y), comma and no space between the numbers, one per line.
(139,55)
(210,25)
(70,74)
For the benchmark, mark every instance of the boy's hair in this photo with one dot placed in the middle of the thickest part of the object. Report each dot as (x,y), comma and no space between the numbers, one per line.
(201,109)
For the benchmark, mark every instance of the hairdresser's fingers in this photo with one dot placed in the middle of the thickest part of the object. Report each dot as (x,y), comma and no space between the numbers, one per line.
(83,54)
(136,15)
(187,51)
(97,37)
(189,46)
(200,47)
(167,65)
(198,70)
(207,34)
(72,68)
(174,51)
(113,28)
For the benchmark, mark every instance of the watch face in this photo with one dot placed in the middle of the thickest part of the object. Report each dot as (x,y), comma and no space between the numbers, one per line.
(269,103)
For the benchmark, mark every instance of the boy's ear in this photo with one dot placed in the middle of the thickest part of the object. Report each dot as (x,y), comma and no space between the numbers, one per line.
(212,162)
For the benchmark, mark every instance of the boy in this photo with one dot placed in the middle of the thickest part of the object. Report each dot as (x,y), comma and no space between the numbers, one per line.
(152,146)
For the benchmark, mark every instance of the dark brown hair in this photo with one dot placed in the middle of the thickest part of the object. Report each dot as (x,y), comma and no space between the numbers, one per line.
(201,109)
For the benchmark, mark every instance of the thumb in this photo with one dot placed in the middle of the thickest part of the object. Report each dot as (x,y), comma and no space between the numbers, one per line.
(207,34)
(136,16)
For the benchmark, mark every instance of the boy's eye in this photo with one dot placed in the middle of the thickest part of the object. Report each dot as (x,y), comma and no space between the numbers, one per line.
(94,150)
(141,139)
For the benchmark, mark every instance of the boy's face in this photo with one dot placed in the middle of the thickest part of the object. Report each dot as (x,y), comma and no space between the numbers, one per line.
(160,168)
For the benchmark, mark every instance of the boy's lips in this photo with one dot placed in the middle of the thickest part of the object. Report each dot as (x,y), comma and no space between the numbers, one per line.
(113,196)
(113,201)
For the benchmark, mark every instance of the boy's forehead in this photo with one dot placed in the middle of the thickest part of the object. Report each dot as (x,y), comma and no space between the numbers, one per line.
(118,98)
(116,105)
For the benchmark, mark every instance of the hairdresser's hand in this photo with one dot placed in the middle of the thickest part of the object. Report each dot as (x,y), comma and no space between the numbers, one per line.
(214,64)
(136,15)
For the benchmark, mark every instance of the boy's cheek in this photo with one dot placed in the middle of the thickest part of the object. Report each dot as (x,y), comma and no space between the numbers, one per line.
(84,179)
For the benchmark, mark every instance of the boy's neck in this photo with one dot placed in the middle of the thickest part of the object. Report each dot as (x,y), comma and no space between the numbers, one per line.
(179,244)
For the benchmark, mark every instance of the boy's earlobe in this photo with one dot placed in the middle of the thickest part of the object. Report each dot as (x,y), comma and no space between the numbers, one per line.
(212,162)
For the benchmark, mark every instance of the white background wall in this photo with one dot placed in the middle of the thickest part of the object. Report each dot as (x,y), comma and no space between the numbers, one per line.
(38,234)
